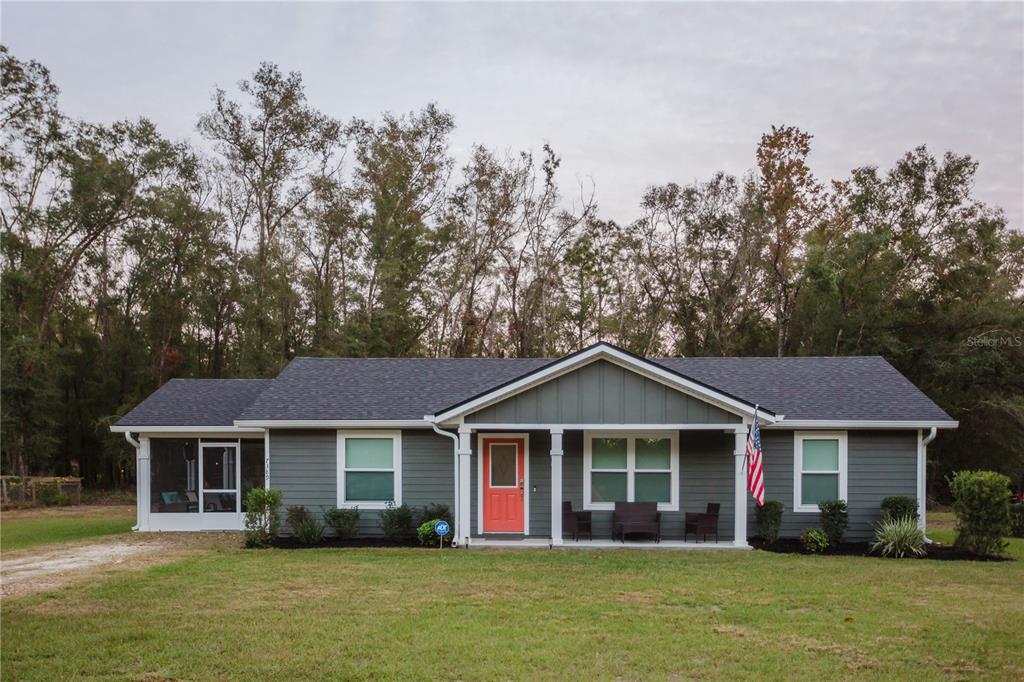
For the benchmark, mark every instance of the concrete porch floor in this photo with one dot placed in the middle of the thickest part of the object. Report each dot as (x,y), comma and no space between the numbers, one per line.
(545,543)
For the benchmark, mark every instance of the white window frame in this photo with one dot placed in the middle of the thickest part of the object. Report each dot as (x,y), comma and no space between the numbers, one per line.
(798,466)
(396,462)
(631,471)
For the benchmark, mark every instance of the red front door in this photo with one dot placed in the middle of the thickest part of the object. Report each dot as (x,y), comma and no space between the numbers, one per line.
(504,484)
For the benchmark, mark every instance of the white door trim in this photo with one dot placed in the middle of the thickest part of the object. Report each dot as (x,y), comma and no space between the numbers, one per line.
(480,478)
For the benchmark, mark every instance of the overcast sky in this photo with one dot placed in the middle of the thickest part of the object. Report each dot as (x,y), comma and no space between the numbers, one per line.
(628,94)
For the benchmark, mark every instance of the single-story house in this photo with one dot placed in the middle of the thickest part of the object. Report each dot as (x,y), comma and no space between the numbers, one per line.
(506,442)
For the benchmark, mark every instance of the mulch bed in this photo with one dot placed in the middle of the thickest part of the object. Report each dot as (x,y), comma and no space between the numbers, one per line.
(936,551)
(293,543)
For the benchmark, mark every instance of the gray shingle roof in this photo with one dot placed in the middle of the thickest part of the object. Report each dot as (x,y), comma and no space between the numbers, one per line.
(196,402)
(843,388)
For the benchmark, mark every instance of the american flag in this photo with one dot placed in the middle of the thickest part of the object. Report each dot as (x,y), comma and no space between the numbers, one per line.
(755,465)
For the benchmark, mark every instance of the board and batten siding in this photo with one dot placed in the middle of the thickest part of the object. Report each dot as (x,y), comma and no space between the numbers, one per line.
(304,467)
(879,464)
(602,393)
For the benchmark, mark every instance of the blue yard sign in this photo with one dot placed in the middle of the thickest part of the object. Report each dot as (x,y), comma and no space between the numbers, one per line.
(441,528)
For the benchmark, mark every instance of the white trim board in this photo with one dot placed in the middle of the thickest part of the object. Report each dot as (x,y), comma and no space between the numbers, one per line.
(611,354)
(204,430)
(333,423)
(480,481)
(860,424)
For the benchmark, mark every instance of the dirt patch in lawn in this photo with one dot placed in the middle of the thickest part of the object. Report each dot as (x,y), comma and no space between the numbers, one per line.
(113,511)
(50,567)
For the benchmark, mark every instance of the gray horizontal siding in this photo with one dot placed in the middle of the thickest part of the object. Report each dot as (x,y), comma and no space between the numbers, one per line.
(879,464)
(602,393)
(303,466)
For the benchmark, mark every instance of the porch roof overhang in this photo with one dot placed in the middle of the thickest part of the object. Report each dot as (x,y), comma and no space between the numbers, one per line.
(625,359)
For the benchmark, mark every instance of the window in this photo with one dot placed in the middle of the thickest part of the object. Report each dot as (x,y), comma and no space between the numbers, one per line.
(173,477)
(819,468)
(369,469)
(631,468)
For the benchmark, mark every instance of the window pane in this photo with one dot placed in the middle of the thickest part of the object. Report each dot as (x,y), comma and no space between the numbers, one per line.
(653,487)
(173,475)
(607,487)
(503,464)
(821,455)
(252,468)
(653,453)
(369,486)
(218,502)
(609,453)
(369,453)
(815,488)
(219,468)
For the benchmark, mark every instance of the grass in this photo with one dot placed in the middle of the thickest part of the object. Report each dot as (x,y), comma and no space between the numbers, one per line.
(483,614)
(28,528)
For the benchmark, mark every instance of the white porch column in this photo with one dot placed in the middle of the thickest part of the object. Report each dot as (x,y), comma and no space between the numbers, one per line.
(740,509)
(464,522)
(266,459)
(556,486)
(142,483)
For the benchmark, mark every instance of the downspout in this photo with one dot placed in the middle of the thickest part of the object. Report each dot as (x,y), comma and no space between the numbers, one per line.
(455,455)
(922,471)
(135,444)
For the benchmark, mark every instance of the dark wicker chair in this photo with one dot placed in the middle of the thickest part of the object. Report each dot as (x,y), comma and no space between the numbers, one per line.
(635,518)
(702,524)
(576,522)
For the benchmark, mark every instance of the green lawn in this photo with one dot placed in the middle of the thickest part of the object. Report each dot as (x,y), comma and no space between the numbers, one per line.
(484,614)
(20,529)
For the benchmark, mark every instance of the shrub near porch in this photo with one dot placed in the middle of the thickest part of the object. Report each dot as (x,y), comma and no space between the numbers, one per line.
(362,614)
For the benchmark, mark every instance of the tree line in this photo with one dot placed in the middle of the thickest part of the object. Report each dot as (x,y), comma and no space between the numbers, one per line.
(130,258)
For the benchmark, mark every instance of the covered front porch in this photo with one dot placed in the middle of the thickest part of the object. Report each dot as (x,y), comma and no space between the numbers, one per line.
(529,488)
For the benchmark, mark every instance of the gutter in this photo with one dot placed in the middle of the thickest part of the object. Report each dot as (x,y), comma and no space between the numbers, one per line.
(455,454)
(135,444)
(923,465)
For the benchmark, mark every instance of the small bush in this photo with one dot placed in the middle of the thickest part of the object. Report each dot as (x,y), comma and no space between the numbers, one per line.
(428,537)
(982,505)
(52,495)
(1017,520)
(898,537)
(433,512)
(344,522)
(899,507)
(769,521)
(305,526)
(261,520)
(834,520)
(396,522)
(814,540)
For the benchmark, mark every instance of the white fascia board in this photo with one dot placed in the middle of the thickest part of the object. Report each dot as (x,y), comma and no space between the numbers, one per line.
(497,426)
(184,429)
(335,423)
(860,424)
(642,367)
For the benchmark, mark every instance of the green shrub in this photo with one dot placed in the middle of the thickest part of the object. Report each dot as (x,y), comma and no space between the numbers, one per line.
(427,535)
(769,521)
(834,520)
(814,540)
(898,537)
(1017,520)
(396,522)
(982,504)
(344,522)
(306,528)
(261,518)
(52,495)
(899,507)
(433,512)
